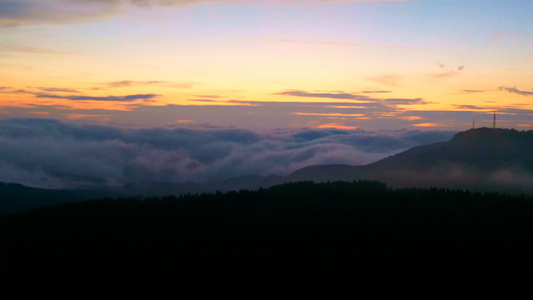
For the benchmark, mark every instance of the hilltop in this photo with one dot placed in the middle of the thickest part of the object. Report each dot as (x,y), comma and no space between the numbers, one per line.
(481,159)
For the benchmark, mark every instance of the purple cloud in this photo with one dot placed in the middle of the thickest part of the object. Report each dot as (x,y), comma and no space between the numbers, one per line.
(127,98)
(514,90)
(339,95)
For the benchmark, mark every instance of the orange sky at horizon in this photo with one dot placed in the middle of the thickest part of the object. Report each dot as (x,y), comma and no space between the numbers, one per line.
(272,65)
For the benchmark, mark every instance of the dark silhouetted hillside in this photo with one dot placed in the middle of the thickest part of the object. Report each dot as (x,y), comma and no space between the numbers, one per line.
(298,231)
(16,197)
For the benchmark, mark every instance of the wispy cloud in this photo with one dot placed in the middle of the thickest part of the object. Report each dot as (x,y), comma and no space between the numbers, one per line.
(445,74)
(10,90)
(339,95)
(85,116)
(392,80)
(470,107)
(474,91)
(58,90)
(404,101)
(127,83)
(375,92)
(130,83)
(430,125)
(353,105)
(514,90)
(208,96)
(205,100)
(336,126)
(412,118)
(38,94)
(226,102)
(127,98)
(328,114)
(20,12)
(274,114)
(449,72)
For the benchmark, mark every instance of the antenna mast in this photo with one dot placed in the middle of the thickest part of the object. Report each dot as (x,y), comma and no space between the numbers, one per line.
(494,121)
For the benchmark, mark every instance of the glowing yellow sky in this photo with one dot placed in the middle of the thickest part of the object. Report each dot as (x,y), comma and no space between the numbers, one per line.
(271,64)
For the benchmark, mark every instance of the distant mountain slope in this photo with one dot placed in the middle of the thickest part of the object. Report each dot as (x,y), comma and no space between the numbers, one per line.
(16,197)
(481,159)
(324,173)
(496,160)
(408,157)
(489,149)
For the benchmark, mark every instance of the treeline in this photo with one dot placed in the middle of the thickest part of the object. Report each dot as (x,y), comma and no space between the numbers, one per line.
(291,231)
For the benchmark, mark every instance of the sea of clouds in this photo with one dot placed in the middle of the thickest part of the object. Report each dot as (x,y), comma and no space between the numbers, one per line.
(53,154)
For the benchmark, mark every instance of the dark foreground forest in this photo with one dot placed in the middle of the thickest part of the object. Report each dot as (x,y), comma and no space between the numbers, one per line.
(291,232)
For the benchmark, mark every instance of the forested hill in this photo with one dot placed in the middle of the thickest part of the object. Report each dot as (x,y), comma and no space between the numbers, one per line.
(17,197)
(484,159)
(297,230)
(485,149)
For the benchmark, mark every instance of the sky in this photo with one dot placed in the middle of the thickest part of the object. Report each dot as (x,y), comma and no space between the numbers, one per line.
(265,65)
(111,92)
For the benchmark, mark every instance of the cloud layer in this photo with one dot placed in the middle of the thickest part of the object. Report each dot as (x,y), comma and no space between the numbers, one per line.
(127,98)
(19,12)
(76,97)
(336,95)
(514,90)
(48,153)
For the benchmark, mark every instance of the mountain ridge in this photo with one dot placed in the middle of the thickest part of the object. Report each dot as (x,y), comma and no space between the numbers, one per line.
(484,159)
